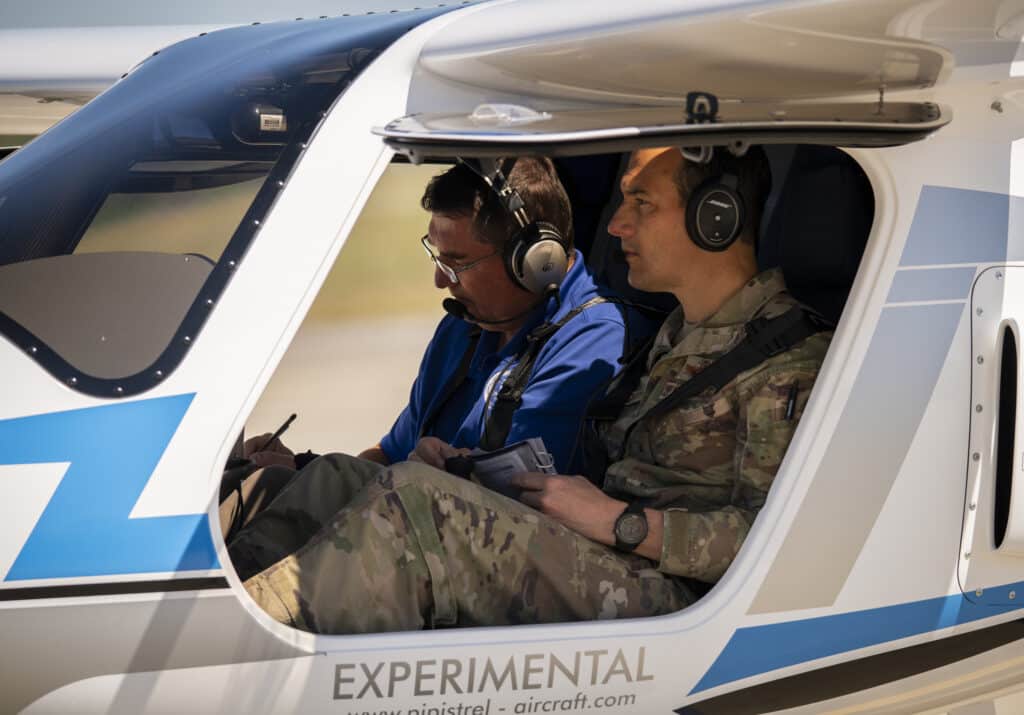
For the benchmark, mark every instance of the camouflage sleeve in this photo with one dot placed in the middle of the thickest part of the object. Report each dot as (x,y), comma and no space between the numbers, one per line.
(701,545)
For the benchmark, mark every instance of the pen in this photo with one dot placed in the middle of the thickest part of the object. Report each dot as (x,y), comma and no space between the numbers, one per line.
(280,431)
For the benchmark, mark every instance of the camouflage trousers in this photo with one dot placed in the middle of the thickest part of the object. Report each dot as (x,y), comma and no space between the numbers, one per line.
(350,546)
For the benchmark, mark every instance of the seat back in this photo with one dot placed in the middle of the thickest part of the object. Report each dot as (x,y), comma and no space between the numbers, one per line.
(816,224)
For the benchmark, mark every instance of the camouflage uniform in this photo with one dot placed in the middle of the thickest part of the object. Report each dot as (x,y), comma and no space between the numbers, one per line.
(709,463)
(351,546)
(414,547)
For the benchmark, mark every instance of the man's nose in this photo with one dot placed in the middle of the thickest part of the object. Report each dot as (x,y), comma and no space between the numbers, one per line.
(620,225)
(440,279)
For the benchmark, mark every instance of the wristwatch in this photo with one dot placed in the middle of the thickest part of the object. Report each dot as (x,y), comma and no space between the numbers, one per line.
(631,527)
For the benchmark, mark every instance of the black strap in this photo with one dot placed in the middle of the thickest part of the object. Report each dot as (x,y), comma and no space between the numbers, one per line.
(607,404)
(510,396)
(458,377)
(764,339)
(605,407)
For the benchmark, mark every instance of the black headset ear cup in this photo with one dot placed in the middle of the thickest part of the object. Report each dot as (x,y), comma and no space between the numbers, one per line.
(715,213)
(536,257)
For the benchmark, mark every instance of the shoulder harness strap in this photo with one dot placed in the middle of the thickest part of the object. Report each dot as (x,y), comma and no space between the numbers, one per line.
(765,338)
(510,396)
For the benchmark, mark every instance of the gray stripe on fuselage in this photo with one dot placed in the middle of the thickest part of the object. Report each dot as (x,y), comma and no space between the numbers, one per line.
(958,226)
(905,357)
(932,284)
(988,707)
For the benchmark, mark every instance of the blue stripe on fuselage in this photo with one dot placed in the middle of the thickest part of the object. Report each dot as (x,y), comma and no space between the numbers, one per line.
(760,649)
(85,529)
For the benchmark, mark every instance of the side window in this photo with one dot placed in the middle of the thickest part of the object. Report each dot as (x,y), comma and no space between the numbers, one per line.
(186,207)
(110,307)
(348,370)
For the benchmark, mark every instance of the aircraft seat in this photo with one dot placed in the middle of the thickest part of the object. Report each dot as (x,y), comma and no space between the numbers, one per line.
(816,224)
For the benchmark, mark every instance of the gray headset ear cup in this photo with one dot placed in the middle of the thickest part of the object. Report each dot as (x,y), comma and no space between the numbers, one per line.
(542,264)
(536,257)
(714,215)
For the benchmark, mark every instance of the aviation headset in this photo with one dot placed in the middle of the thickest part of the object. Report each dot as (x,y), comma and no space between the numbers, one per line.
(536,257)
(715,211)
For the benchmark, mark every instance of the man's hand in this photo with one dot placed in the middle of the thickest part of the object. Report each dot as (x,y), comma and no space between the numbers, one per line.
(581,506)
(433,451)
(375,454)
(574,501)
(274,453)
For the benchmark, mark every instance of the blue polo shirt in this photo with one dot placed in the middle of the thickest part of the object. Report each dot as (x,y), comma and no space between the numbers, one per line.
(574,363)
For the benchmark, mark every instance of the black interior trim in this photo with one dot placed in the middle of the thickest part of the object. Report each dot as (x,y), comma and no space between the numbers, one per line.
(113,589)
(1005,433)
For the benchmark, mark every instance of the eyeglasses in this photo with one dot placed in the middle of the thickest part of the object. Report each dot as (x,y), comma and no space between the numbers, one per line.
(450,272)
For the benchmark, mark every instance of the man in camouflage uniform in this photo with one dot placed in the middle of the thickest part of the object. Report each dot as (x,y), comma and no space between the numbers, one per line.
(356,547)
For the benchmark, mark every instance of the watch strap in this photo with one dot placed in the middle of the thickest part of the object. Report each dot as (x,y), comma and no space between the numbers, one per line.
(634,509)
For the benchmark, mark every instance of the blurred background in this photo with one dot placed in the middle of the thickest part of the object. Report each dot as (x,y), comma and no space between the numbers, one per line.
(348,372)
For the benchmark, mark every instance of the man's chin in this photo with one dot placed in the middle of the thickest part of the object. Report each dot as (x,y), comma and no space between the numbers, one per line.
(635,279)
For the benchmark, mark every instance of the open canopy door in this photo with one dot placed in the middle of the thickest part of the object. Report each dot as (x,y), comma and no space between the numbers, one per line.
(843,73)
(497,129)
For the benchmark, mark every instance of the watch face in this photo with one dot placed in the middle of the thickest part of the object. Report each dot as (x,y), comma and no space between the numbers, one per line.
(631,528)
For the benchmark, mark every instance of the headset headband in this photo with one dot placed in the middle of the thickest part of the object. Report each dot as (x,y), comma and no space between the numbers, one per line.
(535,256)
(496,175)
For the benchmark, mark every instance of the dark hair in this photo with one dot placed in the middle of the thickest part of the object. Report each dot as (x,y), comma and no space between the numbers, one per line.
(462,192)
(754,179)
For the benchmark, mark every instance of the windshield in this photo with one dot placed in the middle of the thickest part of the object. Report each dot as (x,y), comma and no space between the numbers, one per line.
(121,226)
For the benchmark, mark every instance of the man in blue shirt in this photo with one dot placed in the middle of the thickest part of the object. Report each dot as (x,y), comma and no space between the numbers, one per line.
(472,239)
(467,238)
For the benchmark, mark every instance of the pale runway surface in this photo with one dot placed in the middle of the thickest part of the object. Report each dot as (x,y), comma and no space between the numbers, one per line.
(347,381)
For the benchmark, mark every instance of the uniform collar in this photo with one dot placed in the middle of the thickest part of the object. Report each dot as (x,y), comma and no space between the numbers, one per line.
(748,301)
(718,331)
